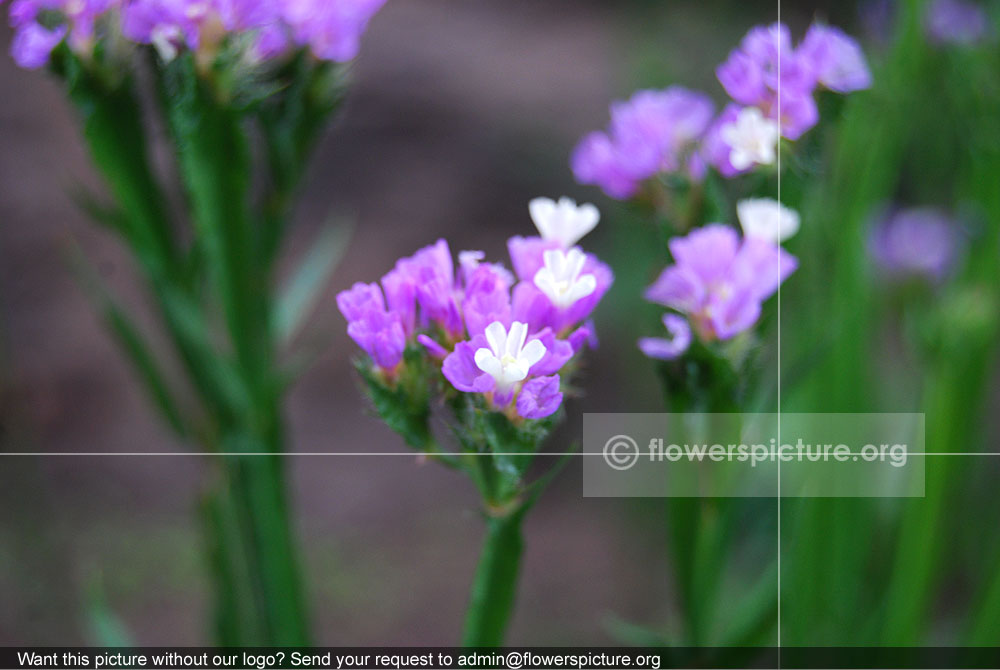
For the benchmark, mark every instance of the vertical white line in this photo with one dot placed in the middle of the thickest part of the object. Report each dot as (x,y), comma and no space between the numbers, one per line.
(779,352)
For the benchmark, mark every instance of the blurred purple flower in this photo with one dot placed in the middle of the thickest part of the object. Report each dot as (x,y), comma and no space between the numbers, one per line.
(956,22)
(331,29)
(766,64)
(835,59)
(32,45)
(664,348)
(719,280)
(653,132)
(70,19)
(920,242)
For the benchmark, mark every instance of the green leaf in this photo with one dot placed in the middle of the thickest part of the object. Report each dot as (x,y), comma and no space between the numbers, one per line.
(105,628)
(633,634)
(404,405)
(299,295)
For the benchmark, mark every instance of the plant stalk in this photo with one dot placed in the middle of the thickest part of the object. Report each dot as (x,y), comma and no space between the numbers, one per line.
(495,585)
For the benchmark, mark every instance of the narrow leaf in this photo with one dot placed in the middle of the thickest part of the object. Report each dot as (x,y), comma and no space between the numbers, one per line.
(300,293)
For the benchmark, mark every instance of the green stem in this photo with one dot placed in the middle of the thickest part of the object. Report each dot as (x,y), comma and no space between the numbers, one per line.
(495,584)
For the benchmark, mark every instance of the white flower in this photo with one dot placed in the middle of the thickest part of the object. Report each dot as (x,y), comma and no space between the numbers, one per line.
(767,219)
(560,278)
(508,359)
(162,37)
(752,139)
(563,221)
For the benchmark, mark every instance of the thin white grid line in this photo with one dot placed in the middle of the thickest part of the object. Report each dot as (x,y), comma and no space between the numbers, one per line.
(779,349)
(704,459)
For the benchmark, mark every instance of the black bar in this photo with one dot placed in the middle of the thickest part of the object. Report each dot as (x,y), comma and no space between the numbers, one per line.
(510,658)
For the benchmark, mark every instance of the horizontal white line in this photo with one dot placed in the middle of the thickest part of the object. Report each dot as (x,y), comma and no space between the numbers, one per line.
(412,454)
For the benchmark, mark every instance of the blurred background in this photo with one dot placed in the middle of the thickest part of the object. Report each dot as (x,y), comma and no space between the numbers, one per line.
(459,113)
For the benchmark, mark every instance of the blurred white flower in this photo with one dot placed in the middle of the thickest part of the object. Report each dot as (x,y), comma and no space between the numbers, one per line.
(767,219)
(563,221)
(752,138)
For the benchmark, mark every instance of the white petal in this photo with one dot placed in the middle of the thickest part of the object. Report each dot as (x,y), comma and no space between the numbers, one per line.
(542,211)
(496,335)
(533,352)
(554,260)
(546,283)
(581,288)
(574,263)
(512,374)
(488,363)
(515,338)
(740,159)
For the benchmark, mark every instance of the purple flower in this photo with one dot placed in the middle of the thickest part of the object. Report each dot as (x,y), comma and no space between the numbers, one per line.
(796,112)
(32,45)
(672,347)
(378,332)
(461,370)
(539,397)
(429,275)
(653,132)
(956,22)
(557,353)
(743,78)
(921,242)
(527,254)
(719,280)
(358,300)
(381,335)
(331,29)
(596,160)
(835,58)
(766,64)
(504,336)
(487,299)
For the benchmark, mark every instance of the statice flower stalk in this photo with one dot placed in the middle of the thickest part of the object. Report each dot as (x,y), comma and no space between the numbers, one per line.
(244,88)
(497,349)
(772,84)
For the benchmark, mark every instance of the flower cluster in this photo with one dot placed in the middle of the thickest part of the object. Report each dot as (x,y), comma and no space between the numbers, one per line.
(719,281)
(330,29)
(500,334)
(772,84)
(919,242)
